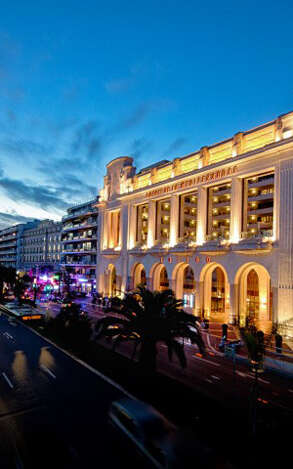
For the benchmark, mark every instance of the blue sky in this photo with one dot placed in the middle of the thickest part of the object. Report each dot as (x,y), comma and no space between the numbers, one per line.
(84,82)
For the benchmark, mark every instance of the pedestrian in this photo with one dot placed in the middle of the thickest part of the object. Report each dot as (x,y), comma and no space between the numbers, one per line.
(224,330)
(222,344)
(279,342)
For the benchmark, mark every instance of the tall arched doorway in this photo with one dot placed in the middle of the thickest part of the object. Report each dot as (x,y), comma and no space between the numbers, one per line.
(112,280)
(164,281)
(159,276)
(139,275)
(254,296)
(184,285)
(252,293)
(218,292)
(215,293)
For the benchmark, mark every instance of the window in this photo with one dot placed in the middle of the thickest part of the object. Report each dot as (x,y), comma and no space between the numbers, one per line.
(142,216)
(219,208)
(258,206)
(163,220)
(188,216)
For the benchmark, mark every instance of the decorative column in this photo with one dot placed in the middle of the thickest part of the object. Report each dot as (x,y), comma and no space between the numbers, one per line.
(106,230)
(132,226)
(152,224)
(124,259)
(174,220)
(236,210)
(285,258)
(276,213)
(201,216)
(233,316)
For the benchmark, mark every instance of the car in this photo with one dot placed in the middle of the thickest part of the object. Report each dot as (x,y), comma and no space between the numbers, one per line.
(159,443)
(144,427)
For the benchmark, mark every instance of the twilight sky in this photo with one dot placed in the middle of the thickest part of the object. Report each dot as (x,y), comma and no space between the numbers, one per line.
(82,82)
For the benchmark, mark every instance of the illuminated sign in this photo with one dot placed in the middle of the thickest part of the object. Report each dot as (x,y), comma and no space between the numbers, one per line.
(34,316)
(207,177)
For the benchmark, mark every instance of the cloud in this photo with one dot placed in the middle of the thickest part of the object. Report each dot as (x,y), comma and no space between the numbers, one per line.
(133,119)
(8,219)
(39,196)
(138,148)
(21,147)
(86,141)
(174,146)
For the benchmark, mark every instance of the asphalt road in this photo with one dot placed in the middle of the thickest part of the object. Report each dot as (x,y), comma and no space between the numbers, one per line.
(53,410)
(213,374)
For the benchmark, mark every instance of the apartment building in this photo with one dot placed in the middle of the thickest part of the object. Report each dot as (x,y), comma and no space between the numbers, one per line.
(40,246)
(79,244)
(10,244)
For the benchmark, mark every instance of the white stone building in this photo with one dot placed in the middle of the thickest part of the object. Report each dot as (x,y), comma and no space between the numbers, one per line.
(216,226)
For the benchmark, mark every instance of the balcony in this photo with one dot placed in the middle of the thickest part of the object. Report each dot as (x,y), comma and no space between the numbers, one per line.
(78,263)
(215,242)
(224,203)
(261,211)
(261,240)
(222,191)
(263,183)
(81,226)
(260,197)
(79,214)
(79,238)
(79,251)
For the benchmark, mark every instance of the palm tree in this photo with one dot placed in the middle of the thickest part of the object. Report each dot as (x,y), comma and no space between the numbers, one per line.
(149,318)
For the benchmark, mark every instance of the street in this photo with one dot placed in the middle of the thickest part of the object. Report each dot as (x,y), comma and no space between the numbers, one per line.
(53,410)
(213,374)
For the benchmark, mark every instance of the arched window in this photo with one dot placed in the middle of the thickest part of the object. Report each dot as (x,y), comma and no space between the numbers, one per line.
(164,282)
(188,279)
(218,291)
(252,294)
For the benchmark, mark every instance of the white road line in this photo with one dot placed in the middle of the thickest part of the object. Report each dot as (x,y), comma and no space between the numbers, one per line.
(244,375)
(261,380)
(7,380)
(264,381)
(207,361)
(215,377)
(46,370)
(209,381)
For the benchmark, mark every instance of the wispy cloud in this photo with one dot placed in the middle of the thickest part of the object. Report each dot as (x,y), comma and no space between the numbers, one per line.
(39,196)
(138,149)
(174,146)
(8,219)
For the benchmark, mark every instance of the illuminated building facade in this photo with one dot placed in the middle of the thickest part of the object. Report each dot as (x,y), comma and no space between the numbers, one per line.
(41,246)
(79,245)
(216,226)
(11,244)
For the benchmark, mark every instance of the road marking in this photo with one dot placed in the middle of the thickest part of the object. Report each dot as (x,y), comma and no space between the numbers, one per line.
(209,381)
(215,377)
(46,370)
(9,336)
(207,361)
(244,375)
(7,380)
(261,380)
